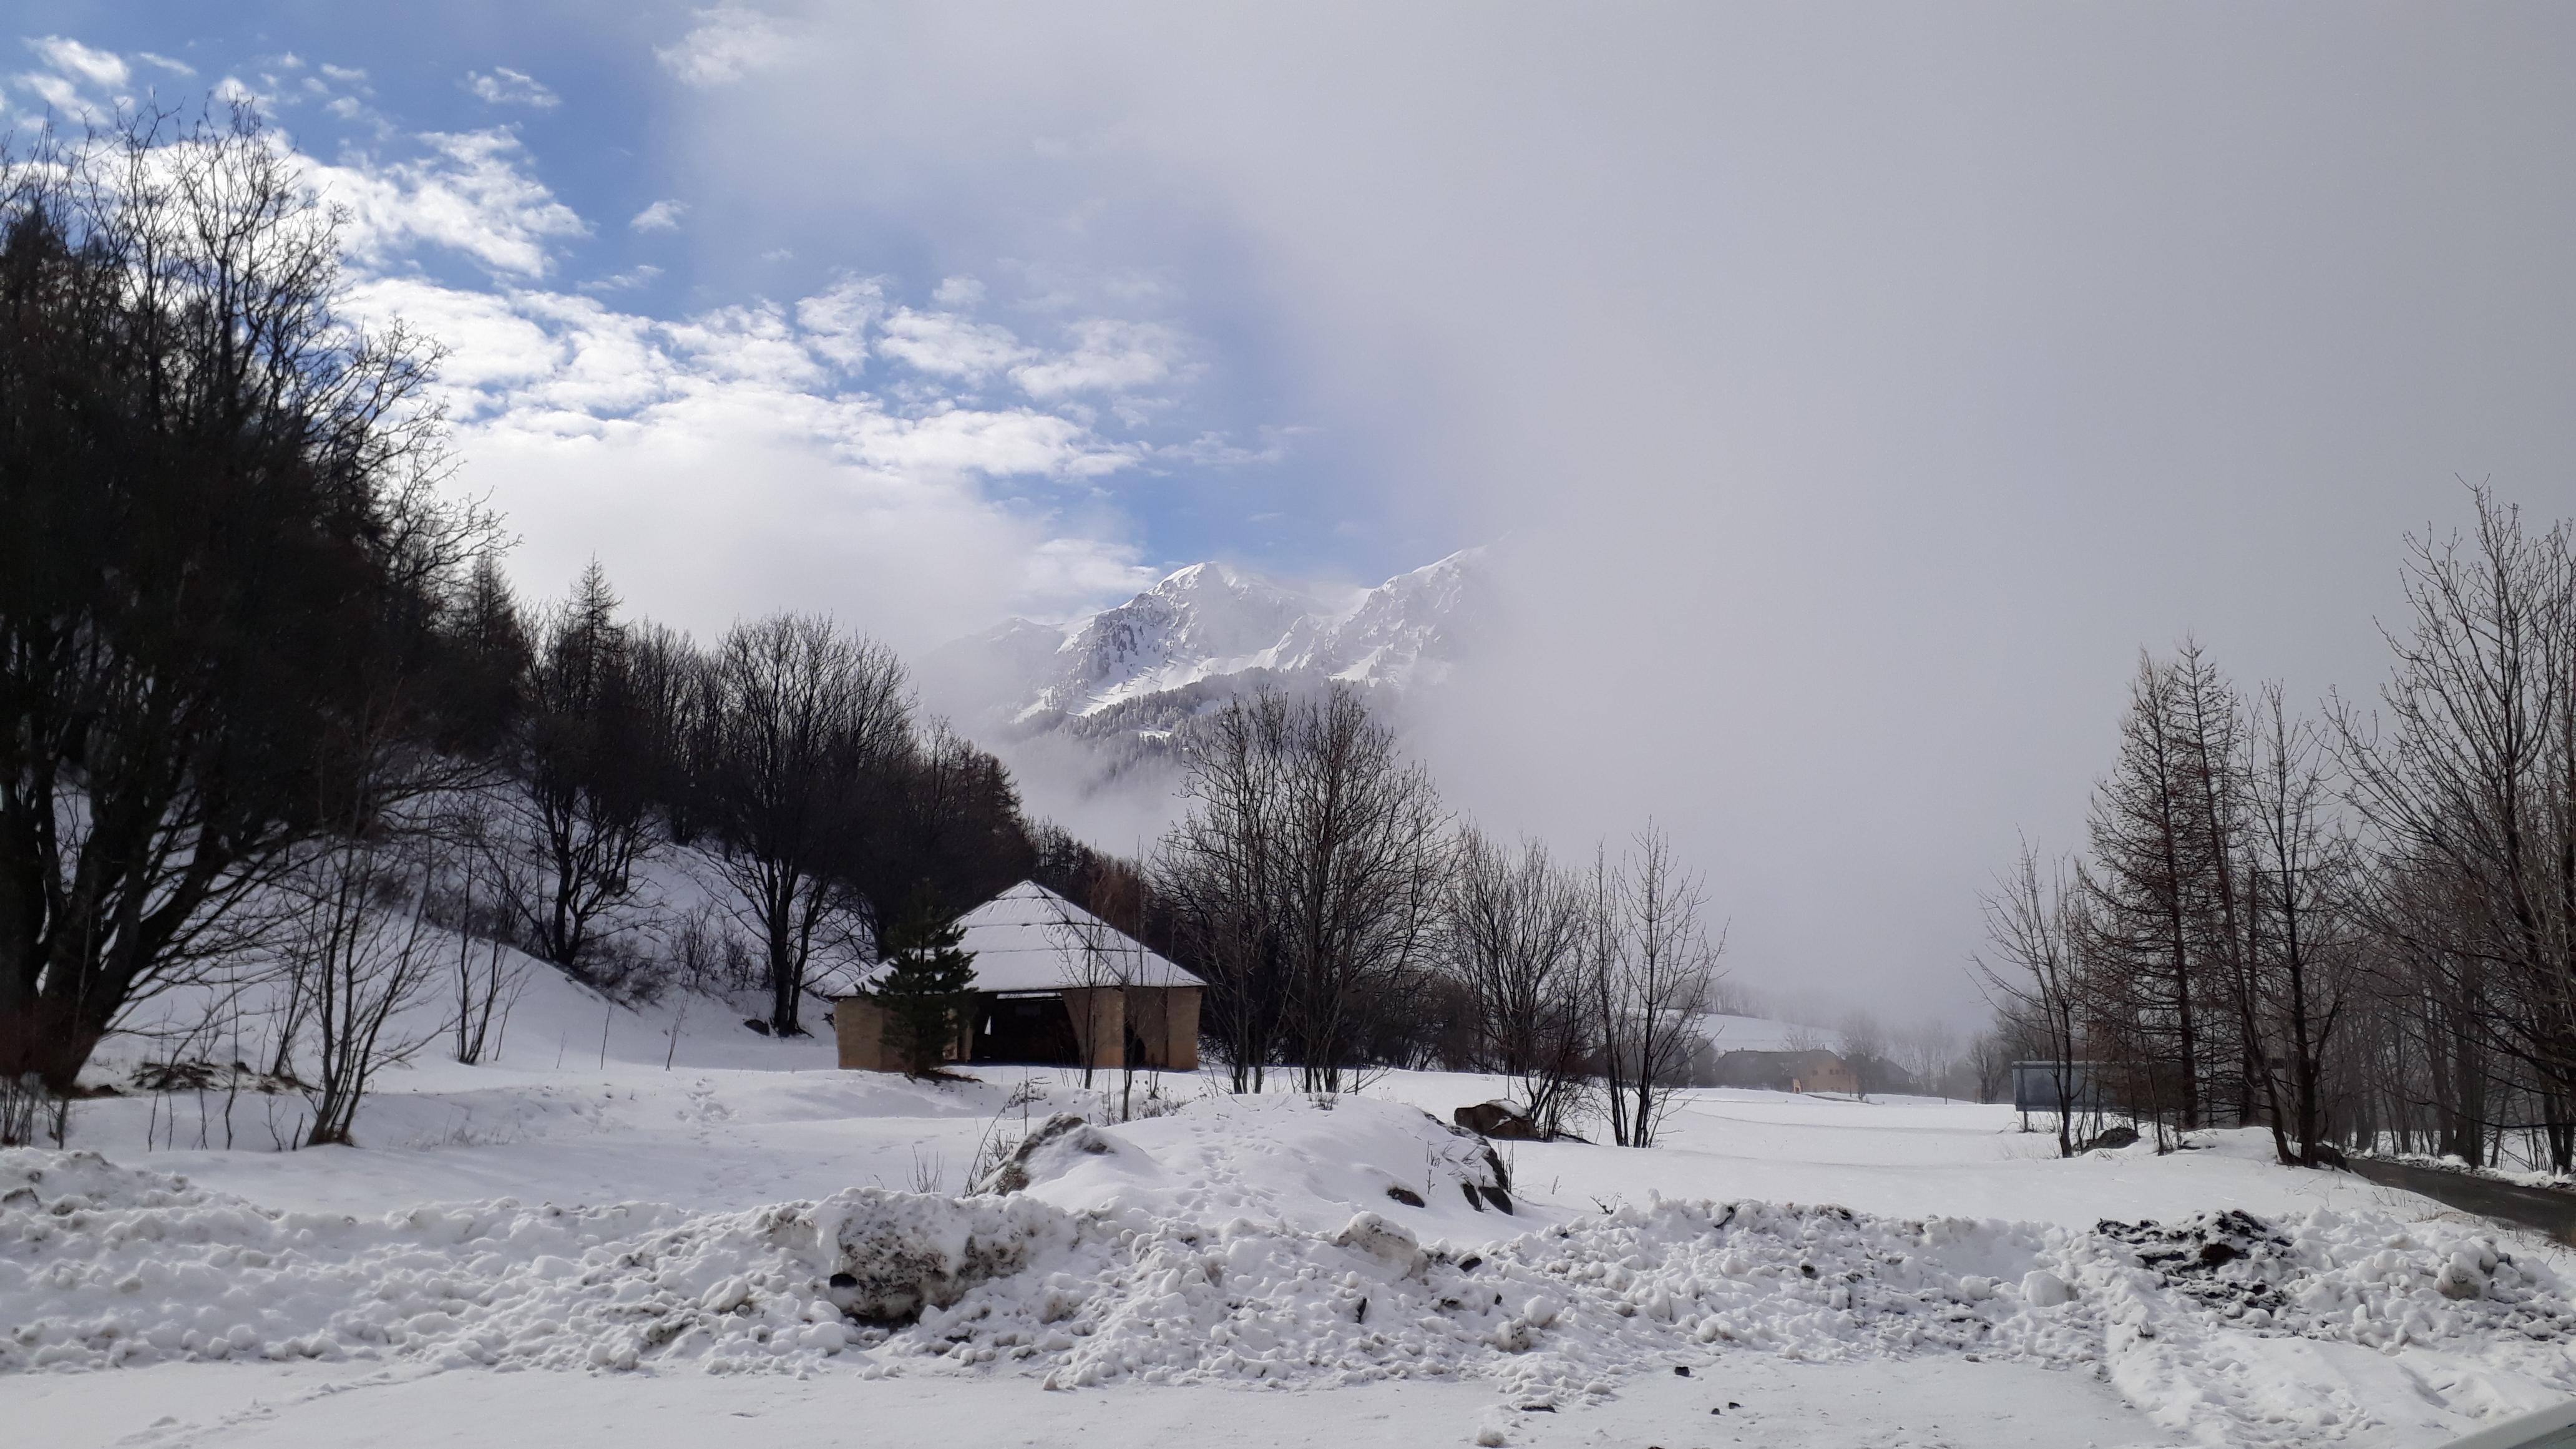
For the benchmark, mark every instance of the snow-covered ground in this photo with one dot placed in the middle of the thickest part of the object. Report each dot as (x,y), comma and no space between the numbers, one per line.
(658,1248)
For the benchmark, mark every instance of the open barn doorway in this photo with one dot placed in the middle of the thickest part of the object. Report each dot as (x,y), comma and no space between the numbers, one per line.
(1032,1028)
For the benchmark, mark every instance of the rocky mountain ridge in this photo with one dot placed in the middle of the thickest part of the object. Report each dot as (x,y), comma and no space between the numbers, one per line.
(1200,636)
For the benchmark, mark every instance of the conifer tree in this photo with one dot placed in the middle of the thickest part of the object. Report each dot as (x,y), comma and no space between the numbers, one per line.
(927,987)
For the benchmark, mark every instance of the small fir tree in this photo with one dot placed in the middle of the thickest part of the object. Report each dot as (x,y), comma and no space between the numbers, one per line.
(927,987)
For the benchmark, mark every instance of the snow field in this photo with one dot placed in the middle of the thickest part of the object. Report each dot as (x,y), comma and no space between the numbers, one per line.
(1255,1241)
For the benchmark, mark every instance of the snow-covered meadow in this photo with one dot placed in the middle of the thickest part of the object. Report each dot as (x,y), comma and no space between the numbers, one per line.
(644,1227)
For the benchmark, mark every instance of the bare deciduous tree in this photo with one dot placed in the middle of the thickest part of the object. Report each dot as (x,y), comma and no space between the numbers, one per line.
(2470,788)
(1515,931)
(799,717)
(1928,1051)
(1662,978)
(1094,967)
(220,538)
(1655,962)
(2301,954)
(1219,871)
(1305,881)
(2036,932)
(359,951)
(1360,874)
(1865,1046)
(2409,982)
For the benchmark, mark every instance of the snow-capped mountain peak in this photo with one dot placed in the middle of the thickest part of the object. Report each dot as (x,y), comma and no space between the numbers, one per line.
(1204,631)
(1203,619)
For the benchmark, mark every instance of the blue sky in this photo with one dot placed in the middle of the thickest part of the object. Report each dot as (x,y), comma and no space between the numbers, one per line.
(1001,413)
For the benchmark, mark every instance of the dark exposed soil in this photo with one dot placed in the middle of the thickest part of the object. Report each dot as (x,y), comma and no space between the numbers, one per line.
(2231,1261)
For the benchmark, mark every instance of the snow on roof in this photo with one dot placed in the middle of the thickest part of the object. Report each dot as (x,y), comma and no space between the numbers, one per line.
(1762,1034)
(1028,938)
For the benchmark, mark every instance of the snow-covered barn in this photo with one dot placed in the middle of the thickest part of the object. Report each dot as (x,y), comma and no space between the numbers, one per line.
(1787,1071)
(1054,985)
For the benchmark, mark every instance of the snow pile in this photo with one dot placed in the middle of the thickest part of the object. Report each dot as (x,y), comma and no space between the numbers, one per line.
(2222,1314)
(1289,1162)
(895,1255)
(102,1266)
(1552,1315)
(1259,1243)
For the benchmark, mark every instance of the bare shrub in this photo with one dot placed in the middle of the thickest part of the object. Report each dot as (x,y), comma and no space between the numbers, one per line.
(359,951)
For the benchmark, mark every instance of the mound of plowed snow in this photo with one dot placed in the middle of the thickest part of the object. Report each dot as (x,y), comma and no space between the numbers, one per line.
(1282,1161)
(1167,1256)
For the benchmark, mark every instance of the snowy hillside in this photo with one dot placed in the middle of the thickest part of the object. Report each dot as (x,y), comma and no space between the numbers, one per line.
(1197,637)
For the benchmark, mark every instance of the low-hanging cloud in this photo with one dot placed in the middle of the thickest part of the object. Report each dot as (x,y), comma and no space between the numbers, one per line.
(1855,400)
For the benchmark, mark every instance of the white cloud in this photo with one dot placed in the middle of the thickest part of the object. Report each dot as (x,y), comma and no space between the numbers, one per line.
(945,344)
(660,216)
(1083,569)
(730,42)
(1002,443)
(1216,450)
(720,464)
(58,93)
(632,277)
(754,344)
(175,67)
(836,321)
(506,87)
(77,82)
(468,195)
(1108,355)
(732,461)
(494,342)
(74,61)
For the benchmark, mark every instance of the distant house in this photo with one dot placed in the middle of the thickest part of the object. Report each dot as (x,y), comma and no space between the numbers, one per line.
(1827,1072)
(1788,1071)
(1055,985)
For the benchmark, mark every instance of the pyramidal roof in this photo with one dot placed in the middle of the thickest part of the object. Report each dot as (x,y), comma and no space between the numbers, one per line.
(1028,938)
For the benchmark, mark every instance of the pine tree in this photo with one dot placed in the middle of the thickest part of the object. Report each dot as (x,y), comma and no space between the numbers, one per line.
(928,985)
(586,768)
